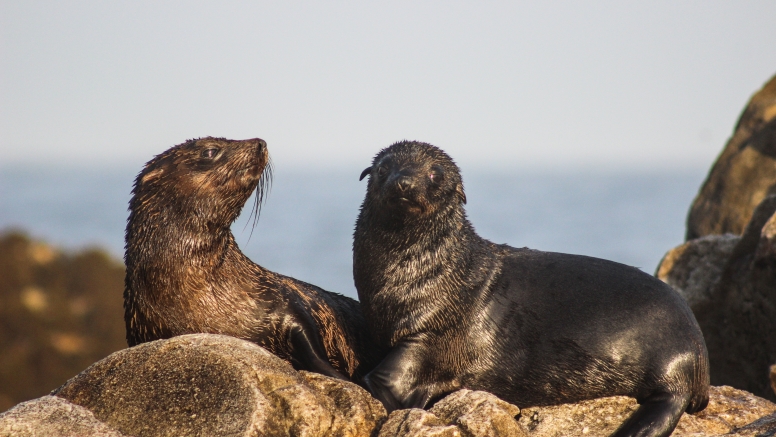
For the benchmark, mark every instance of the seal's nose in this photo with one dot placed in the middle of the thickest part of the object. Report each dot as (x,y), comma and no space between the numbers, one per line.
(404,183)
(261,144)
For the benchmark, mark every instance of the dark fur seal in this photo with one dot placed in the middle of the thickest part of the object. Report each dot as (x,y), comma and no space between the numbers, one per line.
(185,273)
(534,328)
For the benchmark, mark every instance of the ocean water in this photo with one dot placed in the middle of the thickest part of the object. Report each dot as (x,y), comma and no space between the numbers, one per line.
(306,224)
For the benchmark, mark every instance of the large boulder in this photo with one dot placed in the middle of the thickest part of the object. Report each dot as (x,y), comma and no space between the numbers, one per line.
(206,385)
(744,173)
(730,283)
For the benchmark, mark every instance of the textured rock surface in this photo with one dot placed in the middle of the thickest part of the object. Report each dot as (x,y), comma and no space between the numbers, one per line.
(216,385)
(478,414)
(730,283)
(695,267)
(462,413)
(265,397)
(773,377)
(764,427)
(728,409)
(743,174)
(52,416)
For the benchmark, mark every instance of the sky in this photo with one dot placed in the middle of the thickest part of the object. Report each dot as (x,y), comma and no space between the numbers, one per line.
(498,85)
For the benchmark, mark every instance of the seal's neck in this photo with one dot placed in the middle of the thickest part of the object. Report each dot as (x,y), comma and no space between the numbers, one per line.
(418,270)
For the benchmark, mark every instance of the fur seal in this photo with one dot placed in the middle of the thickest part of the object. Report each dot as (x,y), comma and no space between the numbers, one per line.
(186,274)
(534,328)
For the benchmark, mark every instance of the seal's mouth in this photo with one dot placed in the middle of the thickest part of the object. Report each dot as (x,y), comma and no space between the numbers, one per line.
(407,204)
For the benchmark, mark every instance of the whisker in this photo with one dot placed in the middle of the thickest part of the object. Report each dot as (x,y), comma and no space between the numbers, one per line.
(262,190)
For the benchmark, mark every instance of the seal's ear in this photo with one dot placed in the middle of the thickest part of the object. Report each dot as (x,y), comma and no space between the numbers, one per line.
(459,192)
(151,175)
(365,172)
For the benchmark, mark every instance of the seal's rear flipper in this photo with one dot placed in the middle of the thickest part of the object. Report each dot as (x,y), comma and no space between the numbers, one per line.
(657,416)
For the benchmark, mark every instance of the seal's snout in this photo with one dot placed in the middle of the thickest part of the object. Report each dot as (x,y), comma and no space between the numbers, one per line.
(405,183)
(258,143)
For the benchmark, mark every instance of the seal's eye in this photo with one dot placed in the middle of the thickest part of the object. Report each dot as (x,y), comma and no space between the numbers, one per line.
(210,153)
(436,174)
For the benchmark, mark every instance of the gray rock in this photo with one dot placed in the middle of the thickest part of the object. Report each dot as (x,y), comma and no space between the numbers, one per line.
(728,410)
(730,284)
(202,384)
(217,385)
(463,413)
(478,414)
(51,416)
(414,422)
(743,175)
(695,267)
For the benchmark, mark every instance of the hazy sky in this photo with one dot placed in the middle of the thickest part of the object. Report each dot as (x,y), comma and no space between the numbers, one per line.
(327,84)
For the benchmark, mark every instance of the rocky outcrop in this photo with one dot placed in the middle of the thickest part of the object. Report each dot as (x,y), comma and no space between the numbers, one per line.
(59,313)
(730,284)
(216,385)
(743,175)
(473,414)
(203,384)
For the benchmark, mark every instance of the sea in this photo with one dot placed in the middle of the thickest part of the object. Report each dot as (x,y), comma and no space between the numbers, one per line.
(305,228)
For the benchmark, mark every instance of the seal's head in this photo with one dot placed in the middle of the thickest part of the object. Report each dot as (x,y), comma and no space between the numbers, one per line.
(413,180)
(207,178)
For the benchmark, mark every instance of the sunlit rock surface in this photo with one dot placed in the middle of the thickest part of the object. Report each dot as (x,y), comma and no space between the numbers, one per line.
(204,385)
(744,173)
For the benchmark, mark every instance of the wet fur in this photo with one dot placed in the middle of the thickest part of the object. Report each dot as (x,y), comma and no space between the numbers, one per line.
(532,327)
(186,274)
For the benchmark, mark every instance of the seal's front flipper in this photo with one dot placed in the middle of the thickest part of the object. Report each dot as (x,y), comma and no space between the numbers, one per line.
(396,380)
(657,416)
(310,355)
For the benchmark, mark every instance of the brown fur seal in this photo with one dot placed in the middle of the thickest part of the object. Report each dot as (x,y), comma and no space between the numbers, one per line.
(534,328)
(185,273)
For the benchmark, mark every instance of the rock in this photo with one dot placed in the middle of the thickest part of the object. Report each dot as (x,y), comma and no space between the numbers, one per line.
(598,417)
(205,384)
(765,427)
(59,312)
(743,175)
(728,410)
(414,422)
(696,266)
(54,417)
(477,414)
(464,413)
(773,377)
(730,284)
(201,385)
